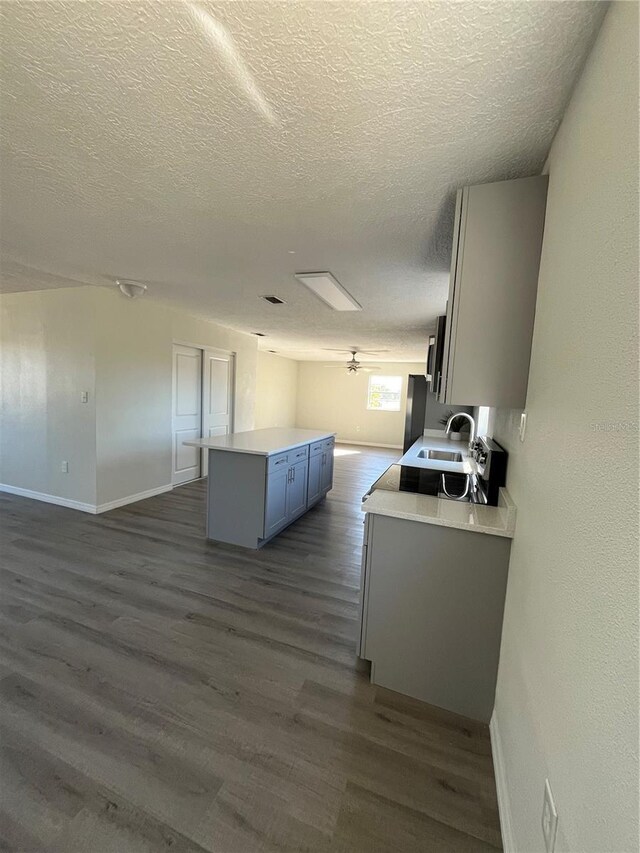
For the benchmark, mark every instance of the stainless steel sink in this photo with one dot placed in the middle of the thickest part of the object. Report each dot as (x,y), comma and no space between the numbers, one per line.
(441,455)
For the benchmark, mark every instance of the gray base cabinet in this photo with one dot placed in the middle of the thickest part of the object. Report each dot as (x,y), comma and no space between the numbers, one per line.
(251,498)
(432,600)
(314,487)
(276,502)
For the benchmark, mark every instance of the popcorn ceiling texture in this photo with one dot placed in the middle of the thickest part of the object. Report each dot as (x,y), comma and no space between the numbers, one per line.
(133,145)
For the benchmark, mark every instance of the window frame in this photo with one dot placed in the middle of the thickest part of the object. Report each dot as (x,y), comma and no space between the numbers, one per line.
(385,376)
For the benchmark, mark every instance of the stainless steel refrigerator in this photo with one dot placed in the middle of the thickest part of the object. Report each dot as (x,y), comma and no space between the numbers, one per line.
(416,408)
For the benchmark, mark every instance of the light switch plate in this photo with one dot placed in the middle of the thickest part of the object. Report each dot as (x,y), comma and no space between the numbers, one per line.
(549,819)
(523,425)
(84,396)
(64,467)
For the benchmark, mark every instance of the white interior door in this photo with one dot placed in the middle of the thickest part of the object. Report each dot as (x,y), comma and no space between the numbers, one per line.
(187,412)
(217,396)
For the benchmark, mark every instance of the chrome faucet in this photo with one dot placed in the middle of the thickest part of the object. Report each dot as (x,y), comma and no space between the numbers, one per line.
(472,433)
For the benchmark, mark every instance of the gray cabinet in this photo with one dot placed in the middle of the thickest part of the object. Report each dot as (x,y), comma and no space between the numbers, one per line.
(314,486)
(297,490)
(251,498)
(276,509)
(493,285)
(320,470)
(326,476)
(432,600)
(286,495)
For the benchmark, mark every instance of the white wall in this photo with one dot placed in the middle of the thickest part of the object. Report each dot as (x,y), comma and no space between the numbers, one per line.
(46,361)
(133,388)
(567,697)
(276,391)
(331,398)
(57,343)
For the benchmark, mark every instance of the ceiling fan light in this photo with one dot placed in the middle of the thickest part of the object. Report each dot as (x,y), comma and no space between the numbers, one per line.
(131,289)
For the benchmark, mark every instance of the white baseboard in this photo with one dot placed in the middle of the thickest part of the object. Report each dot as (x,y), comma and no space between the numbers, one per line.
(48,499)
(83,507)
(131,499)
(368,443)
(504,806)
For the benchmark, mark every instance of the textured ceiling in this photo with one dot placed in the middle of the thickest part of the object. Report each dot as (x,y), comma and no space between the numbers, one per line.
(196,148)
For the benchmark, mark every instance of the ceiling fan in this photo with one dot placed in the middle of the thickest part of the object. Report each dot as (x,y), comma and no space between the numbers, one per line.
(354,365)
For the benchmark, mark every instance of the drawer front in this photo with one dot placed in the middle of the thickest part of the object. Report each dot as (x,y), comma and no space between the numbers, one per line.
(328,443)
(316,448)
(280,460)
(298,454)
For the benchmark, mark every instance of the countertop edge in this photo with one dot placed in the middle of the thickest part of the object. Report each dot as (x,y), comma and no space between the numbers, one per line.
(320,437)
(506,513)
(439,522)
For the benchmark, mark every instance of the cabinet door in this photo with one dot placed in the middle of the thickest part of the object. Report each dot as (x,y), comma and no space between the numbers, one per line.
(364,587)
(447,330)
(314,486)
(297,490)
(327,470)
(492,295)
(275,514)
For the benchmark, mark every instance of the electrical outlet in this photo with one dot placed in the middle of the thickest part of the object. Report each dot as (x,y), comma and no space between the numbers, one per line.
(64,467)
(549,818)
(523,425)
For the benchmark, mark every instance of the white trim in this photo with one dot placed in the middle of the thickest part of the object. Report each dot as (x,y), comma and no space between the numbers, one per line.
(83,507)
(48,499)
(504,806)
(368,443)
(131,499)
(182,343)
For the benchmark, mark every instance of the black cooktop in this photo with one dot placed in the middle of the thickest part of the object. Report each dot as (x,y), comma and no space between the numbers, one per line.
(424,481)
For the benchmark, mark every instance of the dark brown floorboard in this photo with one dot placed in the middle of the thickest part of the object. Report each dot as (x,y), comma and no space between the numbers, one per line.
(162,692)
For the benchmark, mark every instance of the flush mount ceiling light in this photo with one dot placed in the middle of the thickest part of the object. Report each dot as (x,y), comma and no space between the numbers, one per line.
(327,288)
(130,288)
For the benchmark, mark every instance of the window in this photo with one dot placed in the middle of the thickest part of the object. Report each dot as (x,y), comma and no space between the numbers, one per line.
(384,393)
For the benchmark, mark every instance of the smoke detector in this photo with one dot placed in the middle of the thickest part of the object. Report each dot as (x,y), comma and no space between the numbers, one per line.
(131,289)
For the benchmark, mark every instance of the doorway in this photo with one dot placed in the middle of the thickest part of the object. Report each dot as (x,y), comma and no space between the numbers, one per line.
(203,390)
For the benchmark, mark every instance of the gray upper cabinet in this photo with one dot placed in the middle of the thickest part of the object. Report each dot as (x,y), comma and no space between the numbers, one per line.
(492,293)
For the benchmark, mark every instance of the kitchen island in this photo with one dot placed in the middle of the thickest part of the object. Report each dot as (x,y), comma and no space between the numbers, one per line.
(262,480)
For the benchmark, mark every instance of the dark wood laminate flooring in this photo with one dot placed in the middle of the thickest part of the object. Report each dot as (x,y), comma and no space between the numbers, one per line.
(162,692)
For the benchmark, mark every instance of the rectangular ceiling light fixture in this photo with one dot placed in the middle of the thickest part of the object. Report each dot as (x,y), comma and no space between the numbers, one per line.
(325,287)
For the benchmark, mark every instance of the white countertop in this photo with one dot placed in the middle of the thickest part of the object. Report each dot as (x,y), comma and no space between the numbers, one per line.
(495,520)
(262,442)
